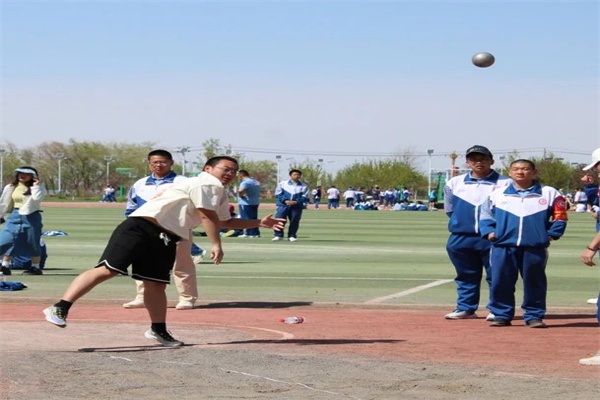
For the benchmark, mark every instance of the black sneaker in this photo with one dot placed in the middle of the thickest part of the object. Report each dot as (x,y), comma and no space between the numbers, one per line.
(163,338)
(33,271)
(5,271)
(500,322)
(536,323)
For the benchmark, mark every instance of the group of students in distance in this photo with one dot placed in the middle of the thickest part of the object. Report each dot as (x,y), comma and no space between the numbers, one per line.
(498,224)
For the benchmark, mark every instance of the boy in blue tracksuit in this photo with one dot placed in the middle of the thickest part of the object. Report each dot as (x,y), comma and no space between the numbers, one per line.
(468,252)
(520,221)
(291,197)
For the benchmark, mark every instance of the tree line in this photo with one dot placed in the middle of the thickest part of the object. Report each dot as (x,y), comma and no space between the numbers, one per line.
(82,169)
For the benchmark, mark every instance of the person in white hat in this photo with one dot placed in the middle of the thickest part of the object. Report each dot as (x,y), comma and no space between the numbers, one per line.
(21,235)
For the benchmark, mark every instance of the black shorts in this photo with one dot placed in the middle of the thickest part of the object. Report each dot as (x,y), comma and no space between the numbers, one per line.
(143,245)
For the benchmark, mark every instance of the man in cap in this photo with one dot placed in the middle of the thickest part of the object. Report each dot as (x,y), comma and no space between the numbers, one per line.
(463,197)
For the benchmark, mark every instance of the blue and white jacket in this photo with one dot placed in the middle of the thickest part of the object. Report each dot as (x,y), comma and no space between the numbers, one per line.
(463,197)
(525,218)
(290,190)
(146,188)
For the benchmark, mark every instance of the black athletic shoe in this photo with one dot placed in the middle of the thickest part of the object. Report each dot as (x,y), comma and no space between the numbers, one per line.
(33,271)
(500,322)
(163,338)
(536,323)
(5,271)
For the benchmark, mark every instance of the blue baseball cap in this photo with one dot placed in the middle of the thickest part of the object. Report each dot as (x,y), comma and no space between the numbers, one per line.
(479,149)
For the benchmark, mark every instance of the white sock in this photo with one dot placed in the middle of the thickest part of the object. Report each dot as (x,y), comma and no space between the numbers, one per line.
(36,266)
(5,263)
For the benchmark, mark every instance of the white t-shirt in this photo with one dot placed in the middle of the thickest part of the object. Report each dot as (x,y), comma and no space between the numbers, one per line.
(333,193)
(175,209)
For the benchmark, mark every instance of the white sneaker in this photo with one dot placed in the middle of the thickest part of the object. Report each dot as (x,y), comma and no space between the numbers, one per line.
(198,259)
(134,304)
(184,305)
(277,239)
(56,316)
(244,236)
(490,317)
(595,360)
(593,301)
(163,338)
(458,314)
(292,239)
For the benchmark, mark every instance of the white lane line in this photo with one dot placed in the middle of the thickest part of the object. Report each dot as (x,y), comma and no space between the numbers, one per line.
(409,291)
(287,383)
(121,358)
(313,278)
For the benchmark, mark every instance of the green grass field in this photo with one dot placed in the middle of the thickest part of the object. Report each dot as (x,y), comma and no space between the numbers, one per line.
(341,256)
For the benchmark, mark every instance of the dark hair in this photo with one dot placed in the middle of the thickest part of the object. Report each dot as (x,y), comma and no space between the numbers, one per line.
(213,161)
(243,172)
(521,160)
(29,184)
(159,152)
(295,170)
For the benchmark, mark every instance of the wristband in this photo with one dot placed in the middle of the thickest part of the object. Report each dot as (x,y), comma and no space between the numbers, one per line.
(589,248)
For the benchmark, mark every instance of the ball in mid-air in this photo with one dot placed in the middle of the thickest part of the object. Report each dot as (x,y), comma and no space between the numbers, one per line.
(483,60)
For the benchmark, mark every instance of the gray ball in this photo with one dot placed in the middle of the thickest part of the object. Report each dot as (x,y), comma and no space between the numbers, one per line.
(483,60)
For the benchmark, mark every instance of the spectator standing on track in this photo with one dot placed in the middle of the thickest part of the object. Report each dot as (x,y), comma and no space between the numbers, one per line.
(161,178)
(432,197)
(292,196)
(464,195)
(520,221)
(21,235)
(350,196)
(316,194)
(248,195)
(147,241)
(333,197)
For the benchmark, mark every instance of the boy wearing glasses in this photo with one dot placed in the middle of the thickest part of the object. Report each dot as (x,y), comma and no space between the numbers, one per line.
(163,177)
(147,241)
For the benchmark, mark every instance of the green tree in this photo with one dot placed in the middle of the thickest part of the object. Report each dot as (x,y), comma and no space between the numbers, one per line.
(383,173)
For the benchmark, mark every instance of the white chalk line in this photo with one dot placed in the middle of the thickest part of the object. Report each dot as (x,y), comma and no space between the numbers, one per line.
(287,383)
(302,385)
(409,291)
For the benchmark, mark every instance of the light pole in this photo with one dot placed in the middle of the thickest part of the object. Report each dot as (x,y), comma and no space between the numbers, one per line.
(183,150)
(320,171)
(278,158)
(60,157)
(107,159)
(2,168)
(429,153)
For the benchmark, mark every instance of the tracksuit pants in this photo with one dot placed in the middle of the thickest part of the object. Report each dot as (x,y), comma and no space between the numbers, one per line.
(293,214)
(506,265)
(470,256)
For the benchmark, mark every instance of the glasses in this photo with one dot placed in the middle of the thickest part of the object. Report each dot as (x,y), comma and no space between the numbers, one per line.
(478,159)
(227,170)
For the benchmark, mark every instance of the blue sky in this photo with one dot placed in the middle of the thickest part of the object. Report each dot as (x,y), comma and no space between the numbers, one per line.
(341,81)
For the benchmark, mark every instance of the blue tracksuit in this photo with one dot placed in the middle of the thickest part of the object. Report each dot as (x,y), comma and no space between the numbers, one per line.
(522,222)
(468,252)
(290,190)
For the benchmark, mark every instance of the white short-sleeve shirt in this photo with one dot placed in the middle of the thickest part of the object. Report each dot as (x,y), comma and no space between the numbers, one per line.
(175,209)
